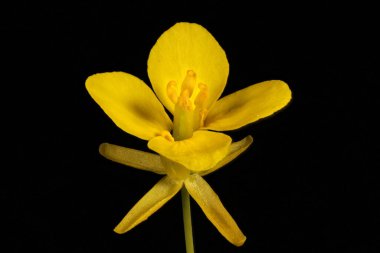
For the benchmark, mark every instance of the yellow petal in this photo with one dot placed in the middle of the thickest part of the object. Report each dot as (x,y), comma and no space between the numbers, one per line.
(132,157)
(161,193)
(183,47)
(213,208)
(248,105)
(235,150)
(130,103)
(200,152)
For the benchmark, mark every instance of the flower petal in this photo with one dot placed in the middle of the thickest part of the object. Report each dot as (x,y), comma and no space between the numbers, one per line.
(200,152)
(132,157)
(130,103)
(235,150)
(248,105)
(161,193)
(183,47)
(213,208)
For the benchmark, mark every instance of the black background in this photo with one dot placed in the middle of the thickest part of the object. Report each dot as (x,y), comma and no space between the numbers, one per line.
(307,184)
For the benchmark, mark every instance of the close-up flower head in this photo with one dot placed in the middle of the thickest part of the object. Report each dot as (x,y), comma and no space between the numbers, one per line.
(188,71)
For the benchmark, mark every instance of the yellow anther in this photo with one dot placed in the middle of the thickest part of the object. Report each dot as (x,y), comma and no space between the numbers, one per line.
(199,117)
(202,86)
(202,116)
(171,90)
(167,135)
(189,82)
(202,96)
(200,111)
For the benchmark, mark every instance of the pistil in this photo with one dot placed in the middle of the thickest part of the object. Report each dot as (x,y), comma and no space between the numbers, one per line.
(188,115)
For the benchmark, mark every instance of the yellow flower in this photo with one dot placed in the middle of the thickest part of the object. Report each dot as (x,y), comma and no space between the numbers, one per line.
(188,70)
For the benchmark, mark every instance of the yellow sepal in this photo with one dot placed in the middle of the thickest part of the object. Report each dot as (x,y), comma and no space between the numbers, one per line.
(236,149)
(133,158)
(153,200)
(213,208)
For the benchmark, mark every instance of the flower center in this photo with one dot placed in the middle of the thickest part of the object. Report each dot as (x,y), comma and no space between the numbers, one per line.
(190,106)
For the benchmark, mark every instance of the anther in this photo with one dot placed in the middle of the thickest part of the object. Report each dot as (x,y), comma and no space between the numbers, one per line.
(189,82)
(202,95)
(202,117)
(201,111)
(171,90)
(167,135)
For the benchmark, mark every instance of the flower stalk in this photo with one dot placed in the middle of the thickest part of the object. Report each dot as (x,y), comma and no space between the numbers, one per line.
(186,211)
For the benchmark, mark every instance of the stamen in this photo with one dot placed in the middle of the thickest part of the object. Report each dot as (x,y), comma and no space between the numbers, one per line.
(202,116)
(200,111)
(202,96)
(189,82)
(171,90)
(167,135)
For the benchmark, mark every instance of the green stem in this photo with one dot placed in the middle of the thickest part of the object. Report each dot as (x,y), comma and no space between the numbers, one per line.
(187,221)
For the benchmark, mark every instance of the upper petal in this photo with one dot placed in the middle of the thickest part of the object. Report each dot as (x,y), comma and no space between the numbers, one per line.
(213,208)
(130,103)
(200,152)
(161,193)
(248,105)
(183,47)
